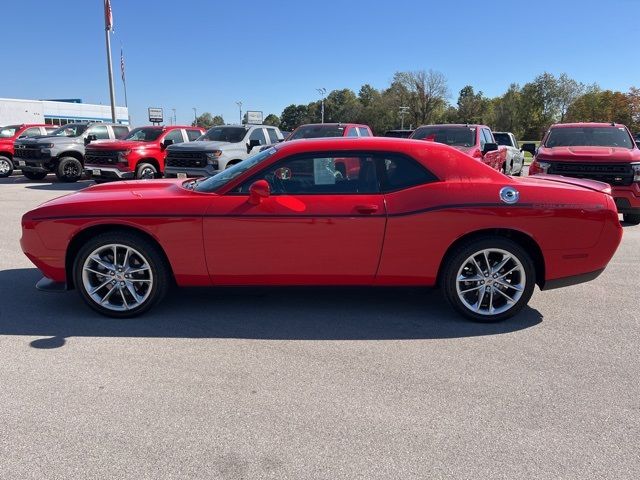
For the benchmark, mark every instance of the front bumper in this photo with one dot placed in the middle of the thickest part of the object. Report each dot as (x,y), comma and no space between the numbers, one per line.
(38,166)
(107,173)
(173,172)
(627,198)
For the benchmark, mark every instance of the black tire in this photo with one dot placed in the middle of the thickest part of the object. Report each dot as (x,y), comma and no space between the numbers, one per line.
(146,171)
(458,258)
(34,175)
(152,254)
(631,218)
(6,166)
(69,169)
(231,163)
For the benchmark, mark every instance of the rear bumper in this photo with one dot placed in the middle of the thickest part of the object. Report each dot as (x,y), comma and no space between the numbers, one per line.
(627,198)
(108,173)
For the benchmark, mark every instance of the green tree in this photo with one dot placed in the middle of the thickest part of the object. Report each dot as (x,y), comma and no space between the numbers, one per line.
(428,92)
(472,107)
(206,120)
(293,116)
(272,120)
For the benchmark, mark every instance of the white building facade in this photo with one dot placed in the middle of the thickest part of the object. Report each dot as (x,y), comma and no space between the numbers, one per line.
(56,112)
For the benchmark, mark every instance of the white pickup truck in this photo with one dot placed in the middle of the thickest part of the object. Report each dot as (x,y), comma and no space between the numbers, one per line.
(515,156)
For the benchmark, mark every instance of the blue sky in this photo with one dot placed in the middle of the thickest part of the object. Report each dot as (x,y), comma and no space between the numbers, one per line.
(210,53)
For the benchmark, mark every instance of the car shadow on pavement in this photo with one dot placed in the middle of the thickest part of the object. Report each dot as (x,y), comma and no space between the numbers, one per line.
(48,183)
(246,313)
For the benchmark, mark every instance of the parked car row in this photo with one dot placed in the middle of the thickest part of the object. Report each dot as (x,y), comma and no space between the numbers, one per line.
(8,137)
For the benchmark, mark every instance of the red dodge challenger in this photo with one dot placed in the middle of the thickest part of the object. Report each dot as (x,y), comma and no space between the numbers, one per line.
(363,211)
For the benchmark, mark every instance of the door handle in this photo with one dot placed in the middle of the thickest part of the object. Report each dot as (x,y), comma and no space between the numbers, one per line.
(368,209)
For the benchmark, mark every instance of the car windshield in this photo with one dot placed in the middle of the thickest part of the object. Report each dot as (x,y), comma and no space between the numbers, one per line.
(454,136)
(589,137)
(144,134)
(70,130)
(212,184)
(503,139)
(9,131)
(317,131)
(224,134)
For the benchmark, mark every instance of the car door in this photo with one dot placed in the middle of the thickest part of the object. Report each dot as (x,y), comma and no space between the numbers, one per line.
(318,226)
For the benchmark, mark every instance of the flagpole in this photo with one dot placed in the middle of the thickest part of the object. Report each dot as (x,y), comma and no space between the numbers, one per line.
(124,83)
(108,26)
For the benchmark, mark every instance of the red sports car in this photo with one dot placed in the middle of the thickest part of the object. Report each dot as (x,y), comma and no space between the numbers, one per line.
(364,211)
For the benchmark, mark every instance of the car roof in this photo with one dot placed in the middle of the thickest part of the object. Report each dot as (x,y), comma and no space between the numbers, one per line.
(333,124)
(587,124)
(474,125)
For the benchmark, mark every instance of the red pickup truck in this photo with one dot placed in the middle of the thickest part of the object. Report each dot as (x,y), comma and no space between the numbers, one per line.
(597,151)
(9,134)
(474,140)
(140,155)
(321,130)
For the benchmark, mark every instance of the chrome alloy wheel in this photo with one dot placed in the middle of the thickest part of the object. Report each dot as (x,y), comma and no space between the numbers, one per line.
(490,281)
(147,174)
(4,166)
(117,277)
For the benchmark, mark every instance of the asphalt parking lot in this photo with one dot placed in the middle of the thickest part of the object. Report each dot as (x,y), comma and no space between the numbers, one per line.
(315,383)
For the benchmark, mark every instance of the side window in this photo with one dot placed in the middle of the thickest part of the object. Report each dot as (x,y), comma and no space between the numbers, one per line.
(100,131)
(398,172)
(353,132)
(48,130)
(120,132)
(193,134)
(515,142)
(488,136)
(31,132)
(333,173)
(258,134)
(273,136)
(364,132)
(175,135)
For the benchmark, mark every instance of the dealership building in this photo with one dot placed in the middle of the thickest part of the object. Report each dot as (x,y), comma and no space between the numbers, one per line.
(57,112)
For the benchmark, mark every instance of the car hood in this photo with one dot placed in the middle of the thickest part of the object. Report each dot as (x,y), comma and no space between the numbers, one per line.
(199,146)
(44,139)
(119,145)
(126,200)
(588,154)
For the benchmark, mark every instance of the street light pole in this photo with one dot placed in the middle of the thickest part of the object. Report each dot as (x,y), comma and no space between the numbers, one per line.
(174,116)
(403,112)
(322,91)
(195,117)
(239,104)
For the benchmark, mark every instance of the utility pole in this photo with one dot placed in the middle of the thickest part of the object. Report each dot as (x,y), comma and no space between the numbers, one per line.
(108,27)
(239,104)
(403,112)
(174,116)
(322,91)
(195,117)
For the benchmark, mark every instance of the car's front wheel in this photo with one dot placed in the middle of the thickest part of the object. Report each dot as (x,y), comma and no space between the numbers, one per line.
(488,279)
(146,171)
(121,274)
(6,166)
(69,169)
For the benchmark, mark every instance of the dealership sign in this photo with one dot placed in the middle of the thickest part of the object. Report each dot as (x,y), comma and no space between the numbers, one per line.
(254,118)
(156,115)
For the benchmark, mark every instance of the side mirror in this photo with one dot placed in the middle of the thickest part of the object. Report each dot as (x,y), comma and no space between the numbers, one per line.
(529,147)
(489,147)
(89,139)
(252,143)
(166,143)
(258,191)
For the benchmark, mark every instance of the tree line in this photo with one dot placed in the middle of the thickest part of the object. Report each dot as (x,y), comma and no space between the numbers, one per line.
(526,110)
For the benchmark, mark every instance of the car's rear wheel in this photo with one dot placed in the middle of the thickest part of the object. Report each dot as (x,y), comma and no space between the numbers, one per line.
(488,279)
(632,218)
(6,166)
(69,169)
(121,274)
(146,171)
(34,175)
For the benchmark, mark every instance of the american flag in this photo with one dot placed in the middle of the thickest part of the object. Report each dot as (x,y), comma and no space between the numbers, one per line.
(108,16)
(122,64)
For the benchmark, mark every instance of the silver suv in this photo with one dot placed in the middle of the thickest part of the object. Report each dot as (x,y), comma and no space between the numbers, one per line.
(62,151)
(219,148)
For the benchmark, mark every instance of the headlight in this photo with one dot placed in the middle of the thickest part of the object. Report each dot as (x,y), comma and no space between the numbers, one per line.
(636,171)
(122,156)
(46,145)
(212,157)
(544,166)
